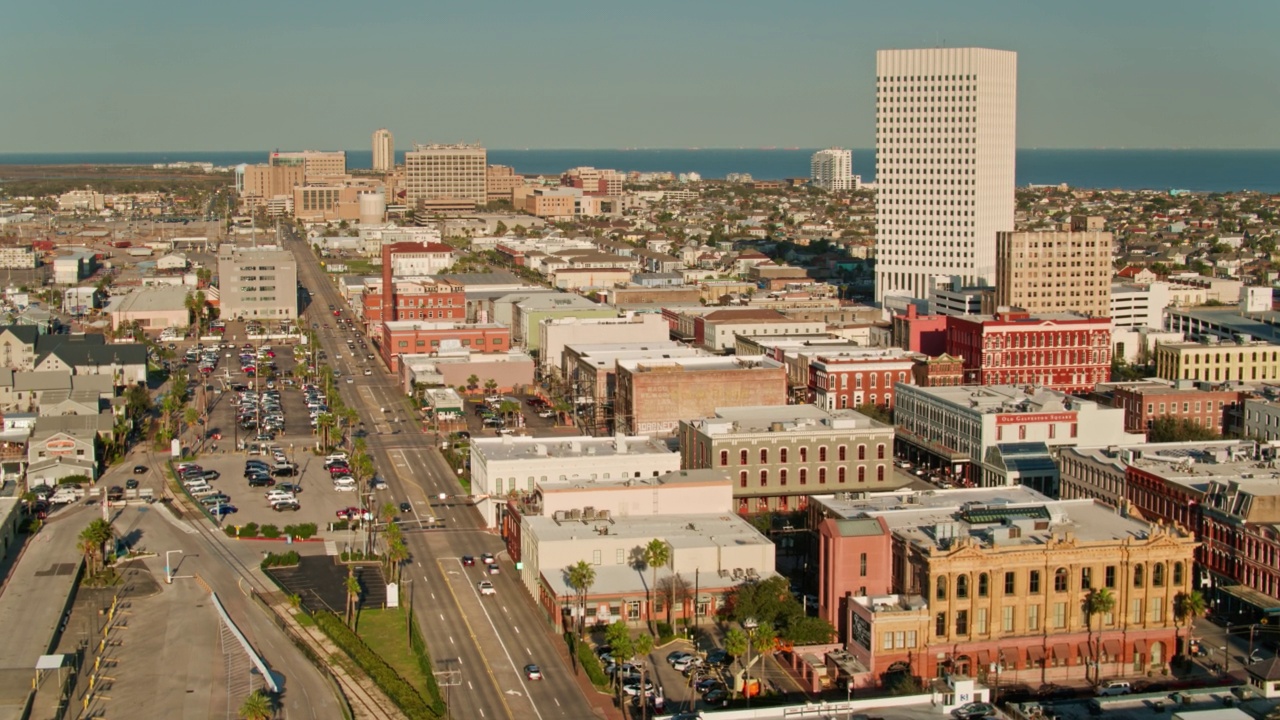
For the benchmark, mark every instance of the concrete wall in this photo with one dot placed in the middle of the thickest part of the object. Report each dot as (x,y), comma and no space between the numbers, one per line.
(556,333)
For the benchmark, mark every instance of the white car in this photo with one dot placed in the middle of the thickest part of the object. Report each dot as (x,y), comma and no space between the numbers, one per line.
(486,588)
(344,487)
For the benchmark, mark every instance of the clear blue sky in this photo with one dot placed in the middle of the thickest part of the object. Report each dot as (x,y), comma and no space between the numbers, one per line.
(134,75)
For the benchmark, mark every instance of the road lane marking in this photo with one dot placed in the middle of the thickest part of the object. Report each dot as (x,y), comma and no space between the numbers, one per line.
(517,627)
(451,642)
(469,685)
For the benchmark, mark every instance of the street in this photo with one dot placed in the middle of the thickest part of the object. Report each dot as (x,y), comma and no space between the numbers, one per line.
(488,642)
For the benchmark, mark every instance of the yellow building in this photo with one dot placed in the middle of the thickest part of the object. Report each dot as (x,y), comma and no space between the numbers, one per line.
(1046,272)
(1218,362)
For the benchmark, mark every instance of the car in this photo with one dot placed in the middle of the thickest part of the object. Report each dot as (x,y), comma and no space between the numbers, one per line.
(706,685)
(677,656)
(631,688)
(716,696)
(719,656)
(261,481)
(285,470)
(367,371)
(377,484)
(345,487)
(131,484)
(468,561)
(114,493)
(973,711)
(486,588)
(690,661)
(406,507)
(351,381)
(532,672)
(544,414)
(294,488)
(487,558)
(222,510)
(1114,687)
(215,499)
(139,469)
(282,505)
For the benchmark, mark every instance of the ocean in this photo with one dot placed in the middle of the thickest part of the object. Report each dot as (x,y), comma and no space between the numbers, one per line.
(1196,170)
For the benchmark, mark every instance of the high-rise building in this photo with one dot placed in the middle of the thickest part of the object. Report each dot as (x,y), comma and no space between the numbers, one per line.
(315,163)
(446,172)
(832,170)
(1046,272)
(384,151)
(945,137)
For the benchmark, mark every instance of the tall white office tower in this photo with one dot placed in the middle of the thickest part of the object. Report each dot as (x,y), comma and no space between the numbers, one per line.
(384,151)
(832,170)
(946,127)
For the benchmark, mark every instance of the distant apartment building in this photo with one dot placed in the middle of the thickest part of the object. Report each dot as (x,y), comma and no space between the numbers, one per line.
(654,395)
(593,182)
(948,296)
(1246,360)
(1145,401)
(1260,418)
(384,150)
(1049,272)
(849,378)
(418,337)
(832,170)
(500,181)
(337,201)
(940,371)
(446,172)
(258,184)
(409,259)
(86,200)
(1098,473)
(257,284)
(315,164)
(18,256)
(528,313)
(1062,351)
(549,203)
(951,230)
(780,456)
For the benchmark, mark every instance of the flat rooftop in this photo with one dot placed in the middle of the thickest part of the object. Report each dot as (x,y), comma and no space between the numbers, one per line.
(679,477)
(1228,321)
(1004,398)
(782,418)
(509,447)
(701,364)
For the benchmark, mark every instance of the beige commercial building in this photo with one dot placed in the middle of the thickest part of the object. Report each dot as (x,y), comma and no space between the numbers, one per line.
(384,151)
(1047,272)
(500,180)
(446,172)
(255,283)
(256,184)
(1214,362)
(314,163)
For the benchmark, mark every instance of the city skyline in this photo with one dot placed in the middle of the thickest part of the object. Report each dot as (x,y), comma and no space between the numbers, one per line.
(168,78)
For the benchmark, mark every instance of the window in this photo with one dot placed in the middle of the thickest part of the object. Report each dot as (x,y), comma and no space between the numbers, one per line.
(782,476)
(822,476)
(1157,575)
(742,458)
(724,458)
(1157,609)
(782,455)
(1006,618)
(1010,581)
(962,587)
(1109,576)
(941,587)
(880,473)
(595,557)
(887,644)
(1059,615)
(764,478)
(1086,578)
(984,584)
(1060,578)
(940,625)
(822,453)
(620,556)
(840,477)
(980,621)
(1033,618)
(804,476)
(742,479)
(764,456)
(962,622)
(1138,579)
(862,565)
(862,452)
(1136,613)
(862,473)
(880,451)
(1177,574)
(1033,582)
(804,454)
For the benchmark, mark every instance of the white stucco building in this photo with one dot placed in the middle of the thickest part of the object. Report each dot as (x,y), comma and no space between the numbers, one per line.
(946,131)
(832,170)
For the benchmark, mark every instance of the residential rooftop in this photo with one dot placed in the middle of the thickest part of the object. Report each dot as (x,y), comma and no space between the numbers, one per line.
(509,447)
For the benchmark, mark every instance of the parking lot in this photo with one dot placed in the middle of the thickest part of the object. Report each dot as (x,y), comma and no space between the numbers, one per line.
(526,422)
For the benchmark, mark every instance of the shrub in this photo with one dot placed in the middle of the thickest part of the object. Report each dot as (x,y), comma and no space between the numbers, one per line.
(383,675)
(270,532)
(590,663)
(665,635)
(248,530)
(302,532)
(75,480)
(287,559)
(341,525)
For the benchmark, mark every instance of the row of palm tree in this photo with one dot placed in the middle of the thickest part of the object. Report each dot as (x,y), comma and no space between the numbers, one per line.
(581,576)
(1101,602)
(92,544)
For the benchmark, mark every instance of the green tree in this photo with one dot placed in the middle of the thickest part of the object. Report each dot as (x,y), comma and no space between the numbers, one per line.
(473,382)
(257,706)
(643,647)
(1188,606)
(490,386)
(137,402)
(93,541)
(352,586)
(656,554)
(190,416)
(1099,601)
(1176,429)
(500,229)
(581,576)
(325,423)
(876,412)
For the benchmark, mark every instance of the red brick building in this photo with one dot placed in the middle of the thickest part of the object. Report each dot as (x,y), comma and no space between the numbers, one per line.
(854,555)
(410,337)
(920,333)
(428,299)
(941,371)
(854,377)
(1062,351)
(1146,400)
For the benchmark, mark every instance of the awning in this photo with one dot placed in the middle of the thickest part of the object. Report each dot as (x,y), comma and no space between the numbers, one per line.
(1035,653)
(1010,655)
(984,658)
(1062,652)
(1111,648)
(1140,647)
(1086,652)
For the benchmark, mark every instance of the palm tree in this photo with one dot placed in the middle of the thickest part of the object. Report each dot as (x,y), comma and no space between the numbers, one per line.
(490,386)
(325,423)
(1187,606)
(1099,601)
(581,577)
(257,706)
(352,586)
(656,554)
(643,646)
(93,540)
(473,381)
(190,416)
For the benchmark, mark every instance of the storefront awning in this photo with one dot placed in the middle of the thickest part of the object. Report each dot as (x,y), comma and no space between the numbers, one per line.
(984,658)
(1009,655)
(1111,648)
(1062,652)
(1140,647)
(1035,653)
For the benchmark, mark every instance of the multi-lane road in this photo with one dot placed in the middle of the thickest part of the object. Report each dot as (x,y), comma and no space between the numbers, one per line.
(487,639)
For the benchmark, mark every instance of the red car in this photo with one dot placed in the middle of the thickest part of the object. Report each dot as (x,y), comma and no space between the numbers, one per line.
(336,470)
(350,513)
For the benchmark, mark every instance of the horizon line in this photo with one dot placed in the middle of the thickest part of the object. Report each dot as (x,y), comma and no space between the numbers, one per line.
(631,149)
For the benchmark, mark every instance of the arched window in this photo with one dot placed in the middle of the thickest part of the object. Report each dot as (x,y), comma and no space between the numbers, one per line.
(782,476)
(880,473)
(804,454)
(764,478)
(1060,580)
(822,453)
(984,585)
(804,476)
(742,458)
(962,587)
(724,458)
(1138,579)
(862,452)
(840,453)
(822,476)
(880,451)
(941,585)
(764,456)
(862,473)
(782,455)
(1177,574)
(840,477)
(742,479)
(1157,575)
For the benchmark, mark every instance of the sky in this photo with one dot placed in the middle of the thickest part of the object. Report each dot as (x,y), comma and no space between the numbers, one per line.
(152,75)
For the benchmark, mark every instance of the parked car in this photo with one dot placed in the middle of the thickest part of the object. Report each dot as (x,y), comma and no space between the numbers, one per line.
(973,711)
(222,510)
(677,656)
(1114,687)
(282,505)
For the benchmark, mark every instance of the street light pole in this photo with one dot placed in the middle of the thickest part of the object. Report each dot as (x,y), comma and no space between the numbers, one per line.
(168,567)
